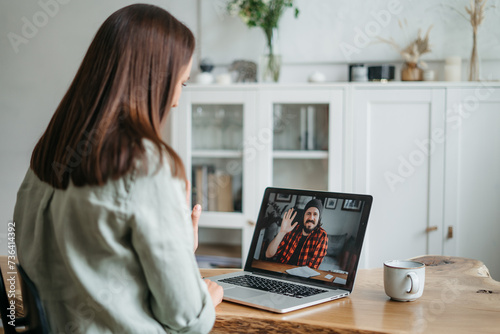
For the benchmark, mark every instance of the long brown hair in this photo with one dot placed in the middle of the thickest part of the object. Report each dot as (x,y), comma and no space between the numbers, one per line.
(121,94)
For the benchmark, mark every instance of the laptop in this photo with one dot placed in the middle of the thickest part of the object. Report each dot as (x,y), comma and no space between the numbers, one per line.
(304,251)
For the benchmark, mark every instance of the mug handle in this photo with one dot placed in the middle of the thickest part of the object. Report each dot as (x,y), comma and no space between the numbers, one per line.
(415,283)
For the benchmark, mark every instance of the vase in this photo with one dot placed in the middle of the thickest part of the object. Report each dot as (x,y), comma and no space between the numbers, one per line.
(474,62)
(411,72)
(270,62)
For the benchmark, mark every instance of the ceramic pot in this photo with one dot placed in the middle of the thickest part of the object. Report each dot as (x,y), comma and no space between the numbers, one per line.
(411,72)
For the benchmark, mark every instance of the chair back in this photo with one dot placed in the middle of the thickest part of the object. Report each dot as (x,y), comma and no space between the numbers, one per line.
(5,305)
(36,321)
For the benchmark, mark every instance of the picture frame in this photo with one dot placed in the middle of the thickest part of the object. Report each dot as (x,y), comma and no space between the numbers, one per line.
(331,203)
(352,205)
(285,198)
(302,201)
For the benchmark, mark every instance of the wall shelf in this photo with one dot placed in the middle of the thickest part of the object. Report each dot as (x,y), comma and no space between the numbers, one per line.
(298,154)
(217,154)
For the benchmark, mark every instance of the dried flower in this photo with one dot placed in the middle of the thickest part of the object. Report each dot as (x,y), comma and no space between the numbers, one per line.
(476,16)
(476,13)
(415,49)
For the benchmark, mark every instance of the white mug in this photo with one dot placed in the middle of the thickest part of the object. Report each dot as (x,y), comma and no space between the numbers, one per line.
(404,280)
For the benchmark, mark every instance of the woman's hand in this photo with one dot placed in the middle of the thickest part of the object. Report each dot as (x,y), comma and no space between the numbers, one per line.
(195,215)
(216,292)
(286,223)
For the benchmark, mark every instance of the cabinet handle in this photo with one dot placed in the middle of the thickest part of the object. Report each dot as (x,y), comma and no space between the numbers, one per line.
(450,232)
(431,228)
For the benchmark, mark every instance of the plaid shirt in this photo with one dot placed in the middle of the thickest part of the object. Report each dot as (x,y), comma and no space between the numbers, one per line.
(313,250)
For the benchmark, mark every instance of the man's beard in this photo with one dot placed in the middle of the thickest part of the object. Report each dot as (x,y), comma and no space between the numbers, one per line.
(307,229)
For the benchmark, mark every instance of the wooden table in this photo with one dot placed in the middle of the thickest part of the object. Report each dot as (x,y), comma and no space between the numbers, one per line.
(459,297)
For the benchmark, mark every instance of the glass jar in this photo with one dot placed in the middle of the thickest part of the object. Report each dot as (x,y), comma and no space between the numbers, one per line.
(270,61)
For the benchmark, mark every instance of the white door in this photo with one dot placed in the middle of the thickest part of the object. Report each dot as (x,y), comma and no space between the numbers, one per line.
(473,175)
(397,143)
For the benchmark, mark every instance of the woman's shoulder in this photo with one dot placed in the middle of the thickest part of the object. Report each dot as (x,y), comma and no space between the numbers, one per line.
(153,166)
(154,160)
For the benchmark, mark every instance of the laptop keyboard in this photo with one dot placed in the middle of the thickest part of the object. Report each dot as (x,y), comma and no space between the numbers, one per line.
(282,288)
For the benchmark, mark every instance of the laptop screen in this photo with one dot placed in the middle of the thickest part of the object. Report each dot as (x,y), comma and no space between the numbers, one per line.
(310,236)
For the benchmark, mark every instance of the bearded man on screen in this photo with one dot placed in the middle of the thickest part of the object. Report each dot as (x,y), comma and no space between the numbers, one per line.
(300,244)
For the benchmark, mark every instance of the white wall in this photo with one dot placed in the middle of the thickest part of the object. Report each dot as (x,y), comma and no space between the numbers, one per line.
(34,79)
(314,41)
(34,75)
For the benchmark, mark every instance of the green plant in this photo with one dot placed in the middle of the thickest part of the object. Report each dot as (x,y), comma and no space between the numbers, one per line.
(261,13)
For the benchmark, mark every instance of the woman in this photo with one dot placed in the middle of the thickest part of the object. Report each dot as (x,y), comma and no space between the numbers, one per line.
(103,226)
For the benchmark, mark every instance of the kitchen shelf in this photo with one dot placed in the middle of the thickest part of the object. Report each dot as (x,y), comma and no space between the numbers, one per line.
(298,154)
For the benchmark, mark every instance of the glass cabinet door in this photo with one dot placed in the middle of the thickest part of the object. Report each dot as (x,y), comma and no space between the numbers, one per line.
(306,147)
(209,130)
(300,145)
(216,166)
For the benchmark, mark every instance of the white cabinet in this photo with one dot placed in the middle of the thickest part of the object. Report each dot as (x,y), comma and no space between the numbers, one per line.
(429,154)
(472,183)
(397,139)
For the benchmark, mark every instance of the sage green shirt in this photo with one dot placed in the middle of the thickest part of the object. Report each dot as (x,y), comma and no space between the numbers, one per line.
(116,258)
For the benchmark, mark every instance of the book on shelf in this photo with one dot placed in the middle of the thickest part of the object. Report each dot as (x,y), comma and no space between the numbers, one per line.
(307,128)
(303,128)
(199,193)
(311,117)
(212,188)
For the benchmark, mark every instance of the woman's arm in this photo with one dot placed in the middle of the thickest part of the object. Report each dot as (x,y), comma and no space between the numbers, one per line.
(162,235)
(215,290)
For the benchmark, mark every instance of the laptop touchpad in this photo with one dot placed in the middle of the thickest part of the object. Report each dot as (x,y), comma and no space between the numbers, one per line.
(240,293)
